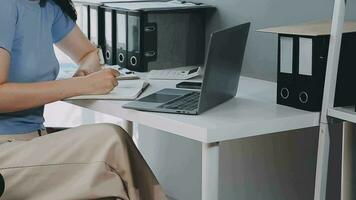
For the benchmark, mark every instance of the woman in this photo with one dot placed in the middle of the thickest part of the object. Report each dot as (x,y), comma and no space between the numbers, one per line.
(88,162)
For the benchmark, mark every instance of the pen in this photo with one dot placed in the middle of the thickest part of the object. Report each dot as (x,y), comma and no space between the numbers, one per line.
(184,2)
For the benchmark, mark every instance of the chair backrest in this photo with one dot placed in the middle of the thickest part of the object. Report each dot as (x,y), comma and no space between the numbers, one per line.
(2,185)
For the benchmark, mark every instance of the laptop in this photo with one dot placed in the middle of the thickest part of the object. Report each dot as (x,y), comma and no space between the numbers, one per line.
(223,65)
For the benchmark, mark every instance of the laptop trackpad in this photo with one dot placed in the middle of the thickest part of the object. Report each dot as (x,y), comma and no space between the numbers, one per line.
(159,98)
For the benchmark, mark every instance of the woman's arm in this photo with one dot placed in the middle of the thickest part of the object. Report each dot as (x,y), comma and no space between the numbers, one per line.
(22,96)
(81,51)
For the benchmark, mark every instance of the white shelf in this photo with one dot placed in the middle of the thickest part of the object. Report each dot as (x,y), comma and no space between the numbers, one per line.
(343,113)
(253,112)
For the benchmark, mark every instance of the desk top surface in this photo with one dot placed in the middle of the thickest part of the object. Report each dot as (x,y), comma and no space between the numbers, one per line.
(252,112)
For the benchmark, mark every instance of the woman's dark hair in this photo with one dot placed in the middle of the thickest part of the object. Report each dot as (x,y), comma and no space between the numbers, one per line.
(66,6)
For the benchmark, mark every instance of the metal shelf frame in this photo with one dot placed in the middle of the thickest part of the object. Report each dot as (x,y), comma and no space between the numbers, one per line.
(328,100)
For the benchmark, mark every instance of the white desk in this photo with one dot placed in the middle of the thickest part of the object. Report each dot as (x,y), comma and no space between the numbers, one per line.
(254,112)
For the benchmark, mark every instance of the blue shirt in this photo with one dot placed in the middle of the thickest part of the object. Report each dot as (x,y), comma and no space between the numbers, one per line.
(28,32)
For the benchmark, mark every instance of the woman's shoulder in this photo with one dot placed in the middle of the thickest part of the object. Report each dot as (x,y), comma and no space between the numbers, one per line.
(9,2)
(52,5)
(8,6)
(19,3)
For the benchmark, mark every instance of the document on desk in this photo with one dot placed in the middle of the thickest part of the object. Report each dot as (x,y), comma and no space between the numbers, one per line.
(126,90)
(67,70)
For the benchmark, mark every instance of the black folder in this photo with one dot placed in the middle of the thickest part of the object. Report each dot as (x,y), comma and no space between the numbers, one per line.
(121,38)
(99,25)
(286,70)
(306,75)
(115,40)
(2,185)
(159,34)
(93,19)
(110,39)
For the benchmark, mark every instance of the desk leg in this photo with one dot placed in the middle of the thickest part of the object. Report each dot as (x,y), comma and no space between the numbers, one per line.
(128,126)
(210,171)
(346,166)
(322,162)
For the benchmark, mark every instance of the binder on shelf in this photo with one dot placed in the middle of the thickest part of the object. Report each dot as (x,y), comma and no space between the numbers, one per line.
(286,69)
(302,59)
(157,35)
(96,23)
(115,39)
(93,20)
(83,17)
(121,38)
(110,31)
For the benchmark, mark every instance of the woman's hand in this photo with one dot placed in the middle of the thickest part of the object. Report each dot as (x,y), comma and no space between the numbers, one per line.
(101,82)
(89,64)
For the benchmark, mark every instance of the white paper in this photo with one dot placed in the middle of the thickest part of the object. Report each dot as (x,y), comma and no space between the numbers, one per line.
(286,55)
(305,56)
(126,90)
(67,70)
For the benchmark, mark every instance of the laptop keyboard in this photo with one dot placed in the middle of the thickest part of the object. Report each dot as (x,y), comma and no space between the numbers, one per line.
(186,102)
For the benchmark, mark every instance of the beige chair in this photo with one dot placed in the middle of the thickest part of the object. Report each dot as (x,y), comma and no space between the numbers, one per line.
(54,129)
(2,185)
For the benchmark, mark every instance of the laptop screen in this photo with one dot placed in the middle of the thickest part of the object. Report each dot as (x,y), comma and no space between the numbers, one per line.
(223,66)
